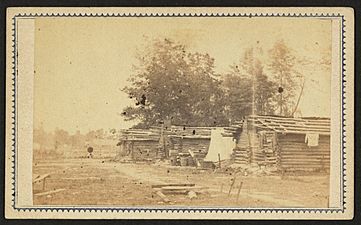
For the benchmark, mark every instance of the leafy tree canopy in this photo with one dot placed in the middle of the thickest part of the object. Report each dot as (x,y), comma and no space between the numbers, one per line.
(172,83)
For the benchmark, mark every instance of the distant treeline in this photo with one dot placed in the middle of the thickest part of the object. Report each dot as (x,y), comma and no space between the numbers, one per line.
(59,138)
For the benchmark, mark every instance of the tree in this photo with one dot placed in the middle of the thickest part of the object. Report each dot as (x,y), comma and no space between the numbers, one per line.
(248,88)
(61,137)
(322,63)
(282,66)
(172,83)
(40,136)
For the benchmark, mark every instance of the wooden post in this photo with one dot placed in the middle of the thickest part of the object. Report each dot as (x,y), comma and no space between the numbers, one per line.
(219,160)
(44,183)
(239,190)
(230,188)
(328,201)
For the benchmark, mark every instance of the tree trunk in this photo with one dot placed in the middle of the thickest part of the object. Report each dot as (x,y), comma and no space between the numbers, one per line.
(299,97)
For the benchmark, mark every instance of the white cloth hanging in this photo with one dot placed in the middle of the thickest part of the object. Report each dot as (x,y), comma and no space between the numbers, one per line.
(312,139)
(219,145)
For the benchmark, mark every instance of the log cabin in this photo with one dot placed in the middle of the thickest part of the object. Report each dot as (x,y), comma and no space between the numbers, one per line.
(289,144)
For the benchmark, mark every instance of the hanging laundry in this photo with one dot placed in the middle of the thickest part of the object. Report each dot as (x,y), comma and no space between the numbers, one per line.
(219,145)
(312,139)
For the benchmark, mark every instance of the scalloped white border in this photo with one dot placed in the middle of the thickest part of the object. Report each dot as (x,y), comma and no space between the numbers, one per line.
(200,212)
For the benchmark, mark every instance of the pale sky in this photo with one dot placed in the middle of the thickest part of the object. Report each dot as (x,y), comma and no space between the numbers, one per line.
(82,63)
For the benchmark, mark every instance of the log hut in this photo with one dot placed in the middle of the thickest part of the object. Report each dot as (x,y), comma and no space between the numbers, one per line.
(290,144)
(139,145)
(189,143)
(171,142)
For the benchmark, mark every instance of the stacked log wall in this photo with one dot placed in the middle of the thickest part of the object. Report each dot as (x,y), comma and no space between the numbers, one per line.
(183,145)
(145,150)
(296,155)
(242,153)
(197,146)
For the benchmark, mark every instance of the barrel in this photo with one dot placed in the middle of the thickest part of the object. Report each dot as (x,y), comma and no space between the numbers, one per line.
(184,161)
(173,161)
(191,161)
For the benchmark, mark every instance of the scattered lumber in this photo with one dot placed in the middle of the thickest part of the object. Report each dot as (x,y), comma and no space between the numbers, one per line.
(192,195)
(172,188)
(231,187)
(194,158)
(162,196)
(49,192)
(190,190)
(170,185)
(239,190)
(40,177)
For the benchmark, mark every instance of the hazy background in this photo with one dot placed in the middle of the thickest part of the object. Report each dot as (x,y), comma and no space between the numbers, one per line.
(82,63)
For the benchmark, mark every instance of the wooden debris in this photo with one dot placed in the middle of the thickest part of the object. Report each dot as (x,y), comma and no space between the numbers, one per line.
(192,195)
(163,197)
(239,190)
(49,192)
(170,185)
(194,158)
(187,189)
(231,187)
(170,188)
(40,178)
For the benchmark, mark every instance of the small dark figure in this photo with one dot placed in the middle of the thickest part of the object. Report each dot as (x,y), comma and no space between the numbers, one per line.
(90,152)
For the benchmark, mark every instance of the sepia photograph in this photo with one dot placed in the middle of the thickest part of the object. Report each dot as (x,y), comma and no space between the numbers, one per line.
(179,112)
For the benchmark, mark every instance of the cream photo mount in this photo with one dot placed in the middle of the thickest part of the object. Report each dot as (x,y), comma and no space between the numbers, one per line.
(19,116)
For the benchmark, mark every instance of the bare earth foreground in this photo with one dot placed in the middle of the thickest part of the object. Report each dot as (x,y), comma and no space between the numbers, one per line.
(103,182)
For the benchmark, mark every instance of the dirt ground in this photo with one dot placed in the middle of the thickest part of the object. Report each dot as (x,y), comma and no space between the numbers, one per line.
(105,182)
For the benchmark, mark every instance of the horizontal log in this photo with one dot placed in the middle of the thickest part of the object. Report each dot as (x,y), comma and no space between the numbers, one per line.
(171,185)
(49,192)
(303,166)
(309,164)
(291,119)
(171,188)
(305,156)
(295,151)
(305,160)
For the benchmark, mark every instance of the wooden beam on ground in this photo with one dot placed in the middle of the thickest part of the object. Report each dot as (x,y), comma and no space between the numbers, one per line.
(40,177)
(163,197)
(171,185)
(182,188)
(49,192)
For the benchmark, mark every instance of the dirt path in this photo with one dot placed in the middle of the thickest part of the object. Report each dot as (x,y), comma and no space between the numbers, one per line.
(151,176)
(129,184)
(141,173)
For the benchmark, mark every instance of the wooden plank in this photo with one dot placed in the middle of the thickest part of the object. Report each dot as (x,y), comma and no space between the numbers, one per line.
(41,177)
(171,185)
(239,190)
(192,195)
(162,196)
(49,192)
(231,187)
(194,158)
(182,188)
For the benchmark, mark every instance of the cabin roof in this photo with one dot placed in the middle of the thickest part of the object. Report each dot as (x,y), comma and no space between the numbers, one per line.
(291,125)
